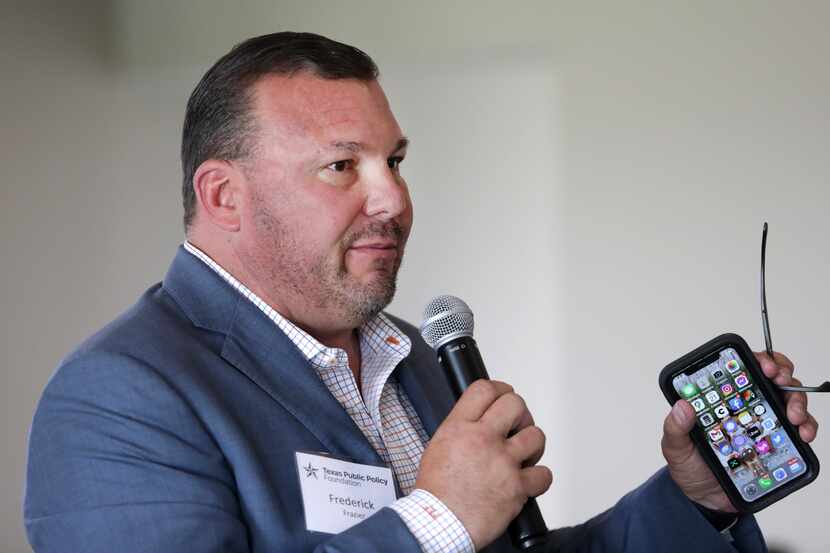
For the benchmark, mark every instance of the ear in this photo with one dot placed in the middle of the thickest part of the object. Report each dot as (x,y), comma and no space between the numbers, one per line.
(217,187)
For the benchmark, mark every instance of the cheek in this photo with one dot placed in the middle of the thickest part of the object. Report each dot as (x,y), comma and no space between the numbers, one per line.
(333,222)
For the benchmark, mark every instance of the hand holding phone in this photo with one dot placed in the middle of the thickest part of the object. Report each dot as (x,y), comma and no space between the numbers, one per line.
(736,443)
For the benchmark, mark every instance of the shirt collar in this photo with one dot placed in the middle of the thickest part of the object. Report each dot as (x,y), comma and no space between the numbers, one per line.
(378,336)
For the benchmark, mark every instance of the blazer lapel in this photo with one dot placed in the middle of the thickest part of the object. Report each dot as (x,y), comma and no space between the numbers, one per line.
(255,346)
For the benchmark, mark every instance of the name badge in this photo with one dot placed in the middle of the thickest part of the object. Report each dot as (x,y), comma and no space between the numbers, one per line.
(338,494)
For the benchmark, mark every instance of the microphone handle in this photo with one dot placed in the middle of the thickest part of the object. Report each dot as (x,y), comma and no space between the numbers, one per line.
(463,365)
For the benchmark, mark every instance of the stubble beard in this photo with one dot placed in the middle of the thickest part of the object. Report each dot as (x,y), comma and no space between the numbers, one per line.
(325,283)
(357,301)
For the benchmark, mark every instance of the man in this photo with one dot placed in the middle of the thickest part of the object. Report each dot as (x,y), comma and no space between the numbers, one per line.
(177,427)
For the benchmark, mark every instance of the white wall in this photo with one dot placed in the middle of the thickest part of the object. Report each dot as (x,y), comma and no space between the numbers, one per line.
(591,179)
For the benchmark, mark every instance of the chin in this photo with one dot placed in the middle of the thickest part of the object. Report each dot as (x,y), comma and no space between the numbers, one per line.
(372,299)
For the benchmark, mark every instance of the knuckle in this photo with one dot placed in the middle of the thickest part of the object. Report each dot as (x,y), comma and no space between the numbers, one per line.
(524,440)
(483,388)
(517,403)
(521,401)
(502,384)
(536,436)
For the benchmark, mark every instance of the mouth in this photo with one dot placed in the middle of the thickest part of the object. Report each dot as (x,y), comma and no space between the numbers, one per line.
(375,244)
(379,248)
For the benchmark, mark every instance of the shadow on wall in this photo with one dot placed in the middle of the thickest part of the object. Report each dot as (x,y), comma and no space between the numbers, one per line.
(780,548)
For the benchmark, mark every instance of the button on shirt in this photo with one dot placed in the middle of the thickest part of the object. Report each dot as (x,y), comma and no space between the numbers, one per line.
(383,413)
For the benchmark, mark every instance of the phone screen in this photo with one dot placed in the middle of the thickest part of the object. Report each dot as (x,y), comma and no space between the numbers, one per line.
(740,425)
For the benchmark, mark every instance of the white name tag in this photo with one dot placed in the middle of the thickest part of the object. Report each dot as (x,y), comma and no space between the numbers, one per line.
(338,494)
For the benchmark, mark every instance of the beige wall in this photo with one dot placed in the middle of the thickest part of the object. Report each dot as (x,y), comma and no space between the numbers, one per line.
(591,179)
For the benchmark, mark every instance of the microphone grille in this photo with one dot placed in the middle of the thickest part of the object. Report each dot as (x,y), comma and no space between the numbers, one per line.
(446,318)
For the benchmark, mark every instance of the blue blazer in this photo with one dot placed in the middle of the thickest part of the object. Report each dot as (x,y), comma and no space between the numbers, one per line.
(174,429)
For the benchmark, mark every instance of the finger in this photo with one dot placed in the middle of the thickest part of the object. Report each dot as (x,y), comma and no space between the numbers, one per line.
(783,361)
(796,405)
(508,413)
(527,446)
(475,400)
(809,429)
(536,480)
(779,373)
(677,445)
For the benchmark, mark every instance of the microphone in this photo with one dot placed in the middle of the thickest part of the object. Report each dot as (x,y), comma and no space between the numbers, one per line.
(448,328)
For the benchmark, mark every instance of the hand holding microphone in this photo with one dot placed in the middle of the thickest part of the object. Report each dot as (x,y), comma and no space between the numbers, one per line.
(481,462)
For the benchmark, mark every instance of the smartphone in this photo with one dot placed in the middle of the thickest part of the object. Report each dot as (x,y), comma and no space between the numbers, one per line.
(742,431)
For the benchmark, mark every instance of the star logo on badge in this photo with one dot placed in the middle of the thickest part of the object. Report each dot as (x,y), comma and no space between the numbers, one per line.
(310,471)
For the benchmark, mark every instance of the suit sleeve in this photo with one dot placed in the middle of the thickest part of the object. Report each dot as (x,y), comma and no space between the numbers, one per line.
(118,461)
(657,516)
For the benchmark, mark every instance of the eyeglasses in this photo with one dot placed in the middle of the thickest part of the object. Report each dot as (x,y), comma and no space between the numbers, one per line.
(765,321)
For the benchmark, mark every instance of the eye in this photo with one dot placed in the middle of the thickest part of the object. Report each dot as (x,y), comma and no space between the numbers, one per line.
(341,173)
(394,163)
(341,166)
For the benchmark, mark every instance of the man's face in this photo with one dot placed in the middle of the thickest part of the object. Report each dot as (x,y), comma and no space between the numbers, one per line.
(327,213)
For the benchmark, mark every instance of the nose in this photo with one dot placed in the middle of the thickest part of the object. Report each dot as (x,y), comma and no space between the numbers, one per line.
(387,196)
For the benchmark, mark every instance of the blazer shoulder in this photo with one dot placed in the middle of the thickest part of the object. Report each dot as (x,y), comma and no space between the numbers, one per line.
(155,322)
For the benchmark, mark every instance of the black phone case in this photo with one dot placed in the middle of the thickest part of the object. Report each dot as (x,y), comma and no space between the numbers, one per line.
(774,397)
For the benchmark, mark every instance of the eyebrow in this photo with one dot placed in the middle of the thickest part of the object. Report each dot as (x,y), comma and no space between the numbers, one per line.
(355,147)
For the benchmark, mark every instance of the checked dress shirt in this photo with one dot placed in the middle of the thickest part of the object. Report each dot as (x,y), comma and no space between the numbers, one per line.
(382,412)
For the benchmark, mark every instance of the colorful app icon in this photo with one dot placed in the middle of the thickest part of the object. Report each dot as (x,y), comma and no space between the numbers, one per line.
(750,490)
(744,418)
(748,395)
(726,389)
(742,380)
(715,435)
(734,463)
(730,426)
(765,482)
(794,465)
(768,424)
(740,441)
(718,374)
(763,447)
(779,474)
(733,366)
(706,419)
(712,397)
(698,404)
(736,404)
(753,431)
(721,411)
(688,390)
(759,409)
(724,448)
(777,438)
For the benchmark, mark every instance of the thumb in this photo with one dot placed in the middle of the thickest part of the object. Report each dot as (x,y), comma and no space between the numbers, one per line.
(676,441)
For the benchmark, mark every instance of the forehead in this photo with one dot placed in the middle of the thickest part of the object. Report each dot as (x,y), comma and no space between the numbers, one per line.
(305,106)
